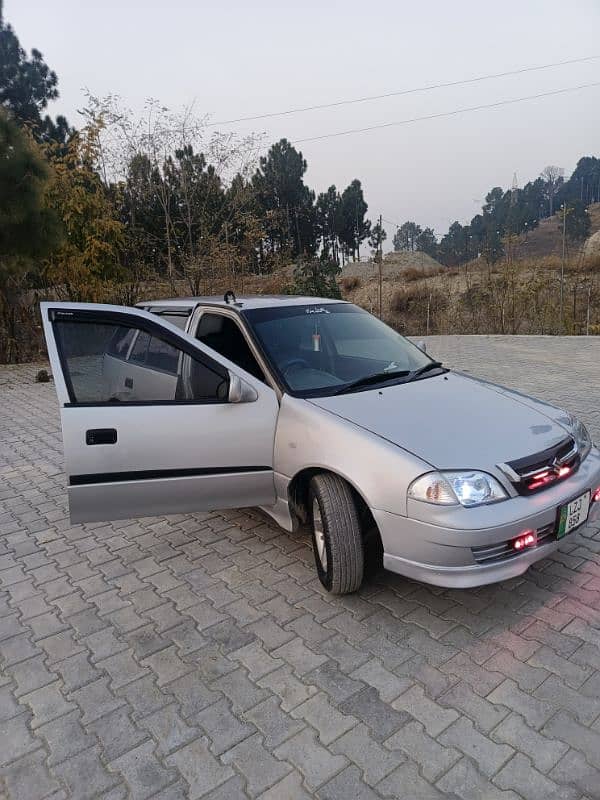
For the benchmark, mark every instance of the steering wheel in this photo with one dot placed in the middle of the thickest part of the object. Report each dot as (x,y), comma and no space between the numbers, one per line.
(294,362)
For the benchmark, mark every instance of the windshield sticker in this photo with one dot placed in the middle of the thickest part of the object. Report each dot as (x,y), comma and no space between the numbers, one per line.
(317,310)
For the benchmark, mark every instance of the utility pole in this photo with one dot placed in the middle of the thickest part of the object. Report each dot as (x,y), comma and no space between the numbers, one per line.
(357,233)
(298,234)
(227,251)
(562,266)
(589,302)
(428,311)
(380,260)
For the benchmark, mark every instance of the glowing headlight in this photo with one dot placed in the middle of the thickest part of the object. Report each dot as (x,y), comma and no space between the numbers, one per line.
(582,438)
(469,488)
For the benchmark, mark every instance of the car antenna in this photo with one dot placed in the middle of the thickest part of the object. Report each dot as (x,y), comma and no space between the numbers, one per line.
(229,297)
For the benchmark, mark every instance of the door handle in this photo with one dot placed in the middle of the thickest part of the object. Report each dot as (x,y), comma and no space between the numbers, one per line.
(101,436)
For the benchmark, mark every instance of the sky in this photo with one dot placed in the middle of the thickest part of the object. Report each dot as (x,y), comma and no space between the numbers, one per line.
(234,59)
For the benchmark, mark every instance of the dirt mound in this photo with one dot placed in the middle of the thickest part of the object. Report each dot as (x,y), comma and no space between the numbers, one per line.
(591,249)
(394,264)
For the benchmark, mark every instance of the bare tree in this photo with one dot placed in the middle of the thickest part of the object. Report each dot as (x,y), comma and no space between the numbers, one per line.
(189,170)
(553,178)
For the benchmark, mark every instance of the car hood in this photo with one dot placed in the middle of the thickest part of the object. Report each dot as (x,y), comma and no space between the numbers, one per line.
(454,421)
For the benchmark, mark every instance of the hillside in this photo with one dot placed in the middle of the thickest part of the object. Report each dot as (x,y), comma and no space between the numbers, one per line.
(546,240)
(518,296)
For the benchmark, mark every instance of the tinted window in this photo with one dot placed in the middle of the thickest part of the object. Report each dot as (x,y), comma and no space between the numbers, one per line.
(320,349)
(157,370)
(162,355)
(121,342)
(154,353)
(140,348)
(223,334)
(180,320)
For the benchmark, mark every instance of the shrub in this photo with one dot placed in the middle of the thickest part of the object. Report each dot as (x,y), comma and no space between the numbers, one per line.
(411,274)
(406,300)
(350,283)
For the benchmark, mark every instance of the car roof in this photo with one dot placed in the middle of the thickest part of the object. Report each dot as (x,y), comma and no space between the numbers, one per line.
(241,304)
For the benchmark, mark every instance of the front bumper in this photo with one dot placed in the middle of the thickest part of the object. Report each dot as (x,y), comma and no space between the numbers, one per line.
(446,555)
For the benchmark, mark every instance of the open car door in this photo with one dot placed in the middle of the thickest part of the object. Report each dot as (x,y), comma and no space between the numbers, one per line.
(153,421)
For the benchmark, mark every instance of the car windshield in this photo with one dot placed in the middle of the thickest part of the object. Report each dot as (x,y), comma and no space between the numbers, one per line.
(324,349)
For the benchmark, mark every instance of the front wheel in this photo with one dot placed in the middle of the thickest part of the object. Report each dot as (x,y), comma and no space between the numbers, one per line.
(337,538)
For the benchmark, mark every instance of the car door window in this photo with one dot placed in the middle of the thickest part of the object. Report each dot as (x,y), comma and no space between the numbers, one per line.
(223,334)
(140,348)
(180,320)
(97,369)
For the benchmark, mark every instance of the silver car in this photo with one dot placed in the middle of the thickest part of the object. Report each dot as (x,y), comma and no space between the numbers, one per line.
(323,416)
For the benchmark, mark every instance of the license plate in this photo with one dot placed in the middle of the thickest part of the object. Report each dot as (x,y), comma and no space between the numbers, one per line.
(573,514)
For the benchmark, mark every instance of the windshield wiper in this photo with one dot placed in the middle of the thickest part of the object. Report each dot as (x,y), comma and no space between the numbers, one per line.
(422,370)
(377,377)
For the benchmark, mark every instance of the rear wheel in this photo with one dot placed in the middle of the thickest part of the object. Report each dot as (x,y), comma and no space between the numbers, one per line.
(337,539)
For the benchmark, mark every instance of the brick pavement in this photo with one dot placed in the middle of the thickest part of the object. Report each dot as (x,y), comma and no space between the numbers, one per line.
(196,656)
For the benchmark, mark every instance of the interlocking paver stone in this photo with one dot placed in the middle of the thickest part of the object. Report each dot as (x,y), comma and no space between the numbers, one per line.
(465,781)
(373,759)
(389,685)
(316,764)
(521,777)
(275,725)
(574,769)
(259,768)
(85,775)
(405,782)
(535,711)
(133,653)
(242,692)
(28,777)
(116,733)
(543,752)
(142,770)
(16,739)
(382,719)
(222,727)
(95,700)
(433,758)
(332,680)
(324,717)
(586,708)
(31,674)
(346,784)
(488,755)
(287,687)
(484,714)
(291,787)
(46,703)
(434,717)
(65,737)
(199,767)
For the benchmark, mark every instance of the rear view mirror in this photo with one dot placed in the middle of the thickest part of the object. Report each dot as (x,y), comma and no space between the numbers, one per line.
(240,391)
(422,345)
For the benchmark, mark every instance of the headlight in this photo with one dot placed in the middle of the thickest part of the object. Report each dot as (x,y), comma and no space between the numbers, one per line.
(469,488)
(582,438)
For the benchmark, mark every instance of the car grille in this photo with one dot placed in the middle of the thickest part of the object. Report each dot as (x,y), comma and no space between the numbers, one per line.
(537,472)
(503,551)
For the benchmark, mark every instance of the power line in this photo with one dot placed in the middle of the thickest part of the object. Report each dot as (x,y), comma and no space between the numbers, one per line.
(453,113)
(400,92)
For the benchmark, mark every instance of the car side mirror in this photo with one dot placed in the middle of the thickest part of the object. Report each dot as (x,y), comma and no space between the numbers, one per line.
(240,391)
(422,345)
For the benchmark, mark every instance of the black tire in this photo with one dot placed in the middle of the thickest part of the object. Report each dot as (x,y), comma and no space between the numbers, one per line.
(343,569)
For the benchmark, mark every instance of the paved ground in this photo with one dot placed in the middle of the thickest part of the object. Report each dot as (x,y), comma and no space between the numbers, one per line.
(196,656)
